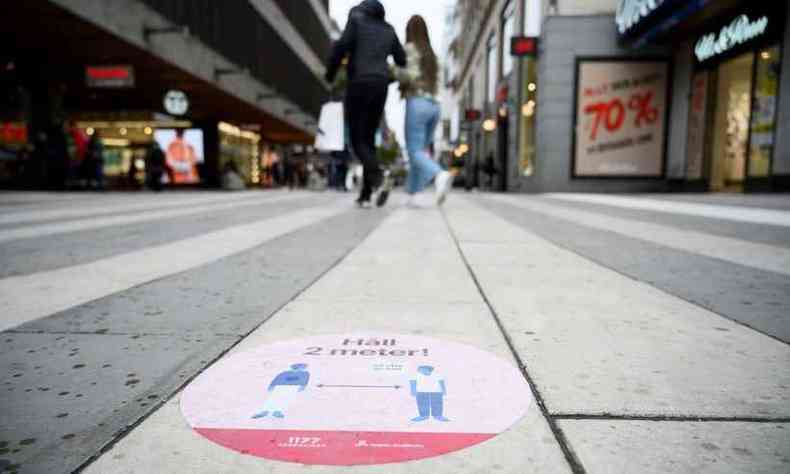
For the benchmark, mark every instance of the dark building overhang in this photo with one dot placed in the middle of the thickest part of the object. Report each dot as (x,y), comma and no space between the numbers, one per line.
(235,29)
(51,47)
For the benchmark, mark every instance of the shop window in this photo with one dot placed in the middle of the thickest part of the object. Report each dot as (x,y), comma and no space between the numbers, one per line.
(240,152)
(491,70)
(527,117)
(508,31)
(471,92)
(731,123)
(763,117)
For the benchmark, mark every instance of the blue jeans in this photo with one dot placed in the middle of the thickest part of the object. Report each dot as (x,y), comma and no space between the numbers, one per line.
(422,117)
(430,404)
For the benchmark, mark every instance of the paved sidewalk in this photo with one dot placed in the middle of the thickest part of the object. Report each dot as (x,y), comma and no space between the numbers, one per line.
(629,378)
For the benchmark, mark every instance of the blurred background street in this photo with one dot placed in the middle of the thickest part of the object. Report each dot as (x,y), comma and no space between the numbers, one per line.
(177,185)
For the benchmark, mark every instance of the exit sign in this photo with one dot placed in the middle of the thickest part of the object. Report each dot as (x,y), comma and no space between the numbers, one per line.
(521,46)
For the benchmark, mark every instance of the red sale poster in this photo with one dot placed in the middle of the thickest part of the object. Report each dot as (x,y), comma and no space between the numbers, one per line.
(356,399)
(620,115)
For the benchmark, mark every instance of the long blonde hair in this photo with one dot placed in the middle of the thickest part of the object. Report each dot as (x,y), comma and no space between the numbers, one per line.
(417,34)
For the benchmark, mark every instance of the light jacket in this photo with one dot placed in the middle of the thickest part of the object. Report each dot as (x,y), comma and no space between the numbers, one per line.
(412,77)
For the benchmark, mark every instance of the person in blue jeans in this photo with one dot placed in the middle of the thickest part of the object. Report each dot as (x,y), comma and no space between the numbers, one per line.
(418,85)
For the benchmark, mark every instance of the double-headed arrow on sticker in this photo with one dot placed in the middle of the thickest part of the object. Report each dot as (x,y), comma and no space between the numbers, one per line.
(396,387)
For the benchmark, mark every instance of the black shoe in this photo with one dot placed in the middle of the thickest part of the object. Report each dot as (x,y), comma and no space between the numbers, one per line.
(364,203)
(381,199)
(384,192)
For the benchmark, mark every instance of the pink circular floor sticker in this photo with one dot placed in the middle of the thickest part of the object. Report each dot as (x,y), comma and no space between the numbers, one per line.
(356,399)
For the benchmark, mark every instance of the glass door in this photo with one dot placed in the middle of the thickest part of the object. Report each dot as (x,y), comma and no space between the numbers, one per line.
(731,122)
(763,116)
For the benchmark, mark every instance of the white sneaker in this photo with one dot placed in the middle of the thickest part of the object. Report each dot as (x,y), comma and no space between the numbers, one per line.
(413,202)
(364,204)
(444,182)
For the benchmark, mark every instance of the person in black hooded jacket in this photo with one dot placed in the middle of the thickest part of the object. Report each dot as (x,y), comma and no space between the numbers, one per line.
(368,41)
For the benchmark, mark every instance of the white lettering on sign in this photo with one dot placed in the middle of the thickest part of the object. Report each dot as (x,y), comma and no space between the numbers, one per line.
(741,30)
(631,12)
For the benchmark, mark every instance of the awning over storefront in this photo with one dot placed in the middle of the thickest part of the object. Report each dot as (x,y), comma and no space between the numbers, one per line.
(642,22)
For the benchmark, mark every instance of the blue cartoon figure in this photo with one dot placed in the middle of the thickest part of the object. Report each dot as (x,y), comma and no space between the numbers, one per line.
(429,389)
(283,389)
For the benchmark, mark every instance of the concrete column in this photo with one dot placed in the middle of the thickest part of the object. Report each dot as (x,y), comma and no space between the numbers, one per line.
(679,113)
(781,166)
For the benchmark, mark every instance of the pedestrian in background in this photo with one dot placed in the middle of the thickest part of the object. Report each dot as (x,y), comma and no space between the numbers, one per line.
(419,85)
(155,163)
(94,162)
(368,41)
(58,161)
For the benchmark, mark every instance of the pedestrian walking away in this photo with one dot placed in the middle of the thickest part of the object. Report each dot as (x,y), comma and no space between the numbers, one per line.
(155,165)
(418,85)
(368,41)
(94,164)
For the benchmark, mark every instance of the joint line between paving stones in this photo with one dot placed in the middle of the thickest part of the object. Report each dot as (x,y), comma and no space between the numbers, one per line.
(570,457)
(670,418)
(490,203)
(121,434)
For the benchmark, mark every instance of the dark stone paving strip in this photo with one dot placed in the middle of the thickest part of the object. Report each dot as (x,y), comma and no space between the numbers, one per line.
(26,256)
(755,298)
(64,396)
(756,233)
(46,428)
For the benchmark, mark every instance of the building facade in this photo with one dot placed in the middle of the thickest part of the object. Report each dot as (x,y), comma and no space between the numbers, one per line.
(221,80)
(621,96)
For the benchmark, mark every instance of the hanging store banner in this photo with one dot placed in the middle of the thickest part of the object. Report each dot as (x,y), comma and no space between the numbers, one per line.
(621,112)
(356,399)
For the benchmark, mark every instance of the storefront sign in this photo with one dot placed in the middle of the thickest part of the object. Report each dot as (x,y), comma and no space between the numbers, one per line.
(13,133)
(523,46)
(620,118)
(109,77)
(741,30)
(630,13)
(473,115)
(356,399)
(176,103)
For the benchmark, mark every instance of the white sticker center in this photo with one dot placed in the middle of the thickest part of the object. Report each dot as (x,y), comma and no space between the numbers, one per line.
(356,399)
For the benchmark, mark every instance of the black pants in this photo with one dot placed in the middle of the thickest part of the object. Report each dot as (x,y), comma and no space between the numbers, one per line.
(365,101)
